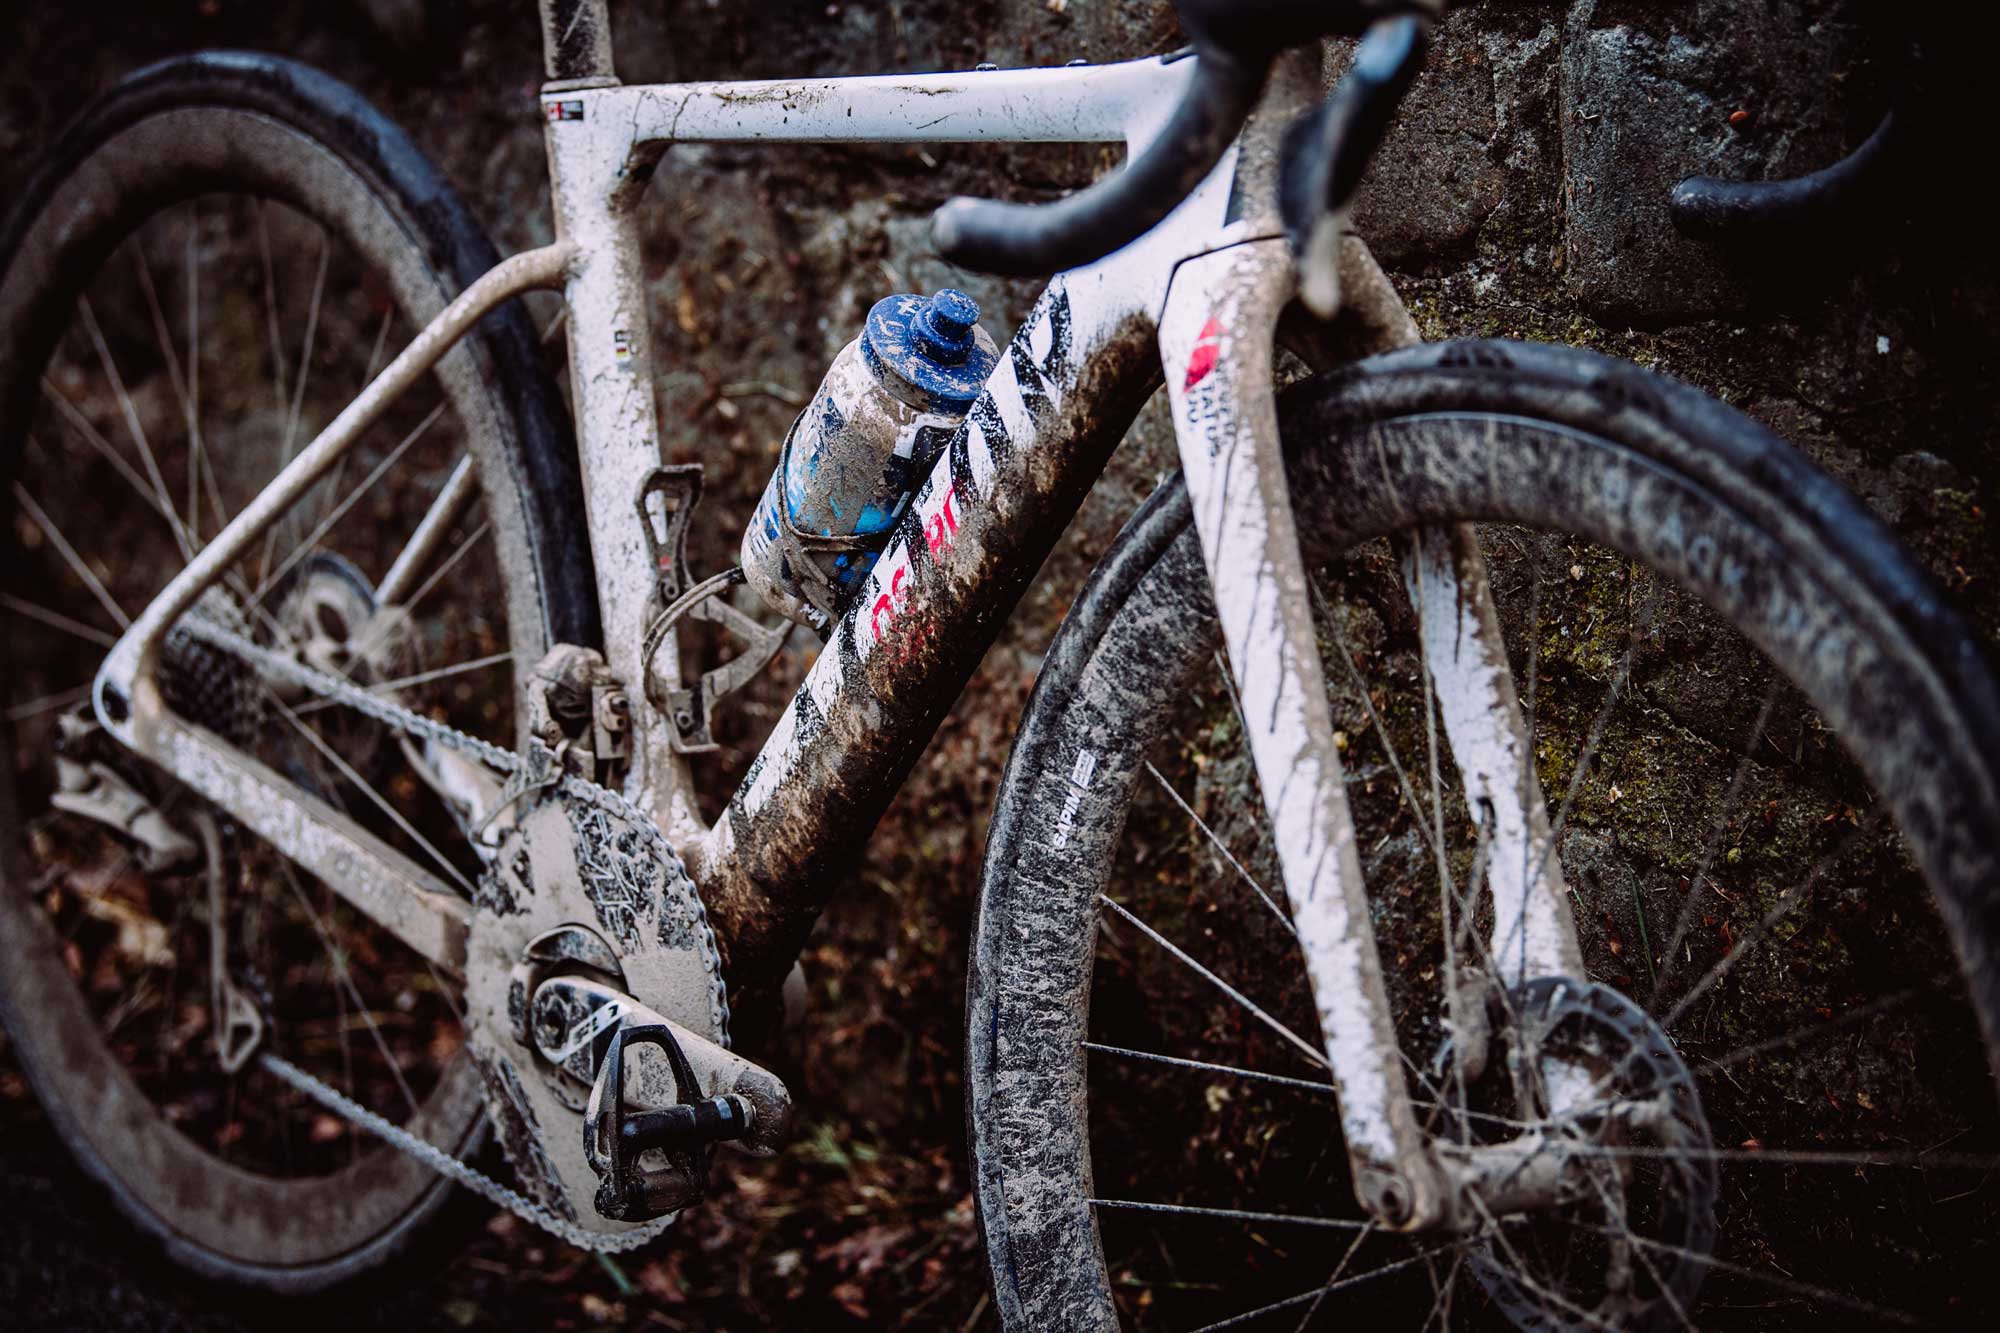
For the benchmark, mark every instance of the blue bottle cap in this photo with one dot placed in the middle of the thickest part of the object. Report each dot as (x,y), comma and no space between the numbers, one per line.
(931,345)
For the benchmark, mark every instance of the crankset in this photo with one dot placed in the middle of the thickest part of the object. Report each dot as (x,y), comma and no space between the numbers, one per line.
(595,1003)
(584,921)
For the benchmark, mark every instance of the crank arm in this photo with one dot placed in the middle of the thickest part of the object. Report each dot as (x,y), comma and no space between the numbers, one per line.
(571,1019)
(1216,338)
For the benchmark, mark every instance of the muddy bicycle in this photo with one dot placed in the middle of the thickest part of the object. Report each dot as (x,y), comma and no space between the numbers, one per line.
(1499,840)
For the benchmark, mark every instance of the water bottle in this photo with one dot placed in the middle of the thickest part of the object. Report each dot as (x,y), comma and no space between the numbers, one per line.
(887,407)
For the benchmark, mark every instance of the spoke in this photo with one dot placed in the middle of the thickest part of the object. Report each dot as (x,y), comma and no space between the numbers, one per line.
(1784,1283)
(271,304)
(297,404)
(382,625)
(165,511)
(440,673)
(1375,722)
(1519,1272)
(381,342)
(338,958)
(346,1049)
(440,517)
(57,620)
(305,547)
(1612,1208)
(1714,848)
(1333,1279)
(1596,737)
(1787,902)
(48,703)
(70,557)
(1881,1004)
(1910,1160)
(1233,1214)
(197,447)
(1219,846)
(437,575)
(132,426)
(305,355)
(1441,1302)
(1317,1293)
(330,486)
(156,500)
(421,678)
(380,801)
(1233,1071)
(1294,1038)
(179,381)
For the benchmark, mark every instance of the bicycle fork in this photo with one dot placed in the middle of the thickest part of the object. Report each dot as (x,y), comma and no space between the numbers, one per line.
(1216,341)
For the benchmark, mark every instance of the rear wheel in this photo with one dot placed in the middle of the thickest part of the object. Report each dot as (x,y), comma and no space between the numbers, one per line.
(218,257)
(1769,757)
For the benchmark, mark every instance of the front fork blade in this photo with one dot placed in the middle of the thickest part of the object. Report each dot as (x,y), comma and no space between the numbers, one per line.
(1216,339)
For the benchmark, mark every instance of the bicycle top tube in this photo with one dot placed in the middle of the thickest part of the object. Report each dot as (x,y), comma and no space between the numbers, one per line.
(1124,102)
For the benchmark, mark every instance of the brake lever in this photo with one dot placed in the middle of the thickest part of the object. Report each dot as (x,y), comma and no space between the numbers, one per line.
(1326,151)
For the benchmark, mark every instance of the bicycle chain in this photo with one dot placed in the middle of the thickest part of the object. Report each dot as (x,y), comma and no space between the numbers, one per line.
(369,704)
(442,1162)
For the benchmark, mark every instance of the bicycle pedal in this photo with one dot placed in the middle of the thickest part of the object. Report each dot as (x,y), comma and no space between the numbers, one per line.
(614,1138)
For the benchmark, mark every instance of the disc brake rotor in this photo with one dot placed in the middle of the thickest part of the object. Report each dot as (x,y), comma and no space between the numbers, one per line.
(1590,1068)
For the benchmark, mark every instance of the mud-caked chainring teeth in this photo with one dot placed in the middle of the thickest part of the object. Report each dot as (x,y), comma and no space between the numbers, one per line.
(1635,1064)
(563,863)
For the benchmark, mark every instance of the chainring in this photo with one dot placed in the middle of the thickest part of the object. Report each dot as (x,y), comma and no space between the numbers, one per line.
(589,860)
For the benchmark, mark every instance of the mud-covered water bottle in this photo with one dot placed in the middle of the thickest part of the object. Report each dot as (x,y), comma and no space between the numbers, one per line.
(886,408)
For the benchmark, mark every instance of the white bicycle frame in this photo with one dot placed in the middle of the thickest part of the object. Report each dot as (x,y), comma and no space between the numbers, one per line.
(1207,286)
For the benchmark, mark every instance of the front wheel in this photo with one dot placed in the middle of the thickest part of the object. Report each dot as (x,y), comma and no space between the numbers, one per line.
(1769,753)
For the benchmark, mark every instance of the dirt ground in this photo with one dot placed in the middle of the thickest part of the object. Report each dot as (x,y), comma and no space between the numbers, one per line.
(761,266)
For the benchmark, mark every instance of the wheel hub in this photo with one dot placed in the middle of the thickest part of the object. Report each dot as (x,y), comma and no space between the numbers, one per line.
(1582,1159)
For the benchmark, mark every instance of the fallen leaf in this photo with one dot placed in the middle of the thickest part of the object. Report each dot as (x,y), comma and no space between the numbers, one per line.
(864,1251)
(848,1295)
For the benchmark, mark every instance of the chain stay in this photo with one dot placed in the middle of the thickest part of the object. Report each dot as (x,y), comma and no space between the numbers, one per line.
(412,723)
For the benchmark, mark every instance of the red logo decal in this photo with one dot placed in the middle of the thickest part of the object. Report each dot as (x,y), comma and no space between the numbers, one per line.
(1207,349)
(883,613)
(941,527)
